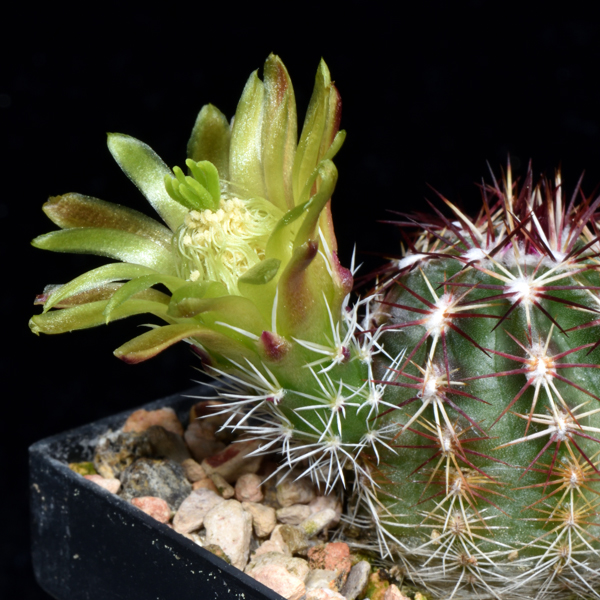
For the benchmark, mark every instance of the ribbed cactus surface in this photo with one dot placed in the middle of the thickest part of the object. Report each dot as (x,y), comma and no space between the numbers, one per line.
(492,488)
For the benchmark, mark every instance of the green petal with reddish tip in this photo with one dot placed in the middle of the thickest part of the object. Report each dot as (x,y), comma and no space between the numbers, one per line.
(104,291)
(76,210)
(91,315)
(147,171)
(94,279)
(328,175)
(120,245)
(151,343)
(245,168)
(279,134)
(210,139)
(297,312)
(135,286)
(333,117)
(307,155)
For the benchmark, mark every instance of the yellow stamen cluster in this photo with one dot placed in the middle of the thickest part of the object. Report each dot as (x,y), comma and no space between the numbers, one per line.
(222,245)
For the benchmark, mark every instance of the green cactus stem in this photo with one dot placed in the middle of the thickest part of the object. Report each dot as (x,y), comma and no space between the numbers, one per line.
(492,486)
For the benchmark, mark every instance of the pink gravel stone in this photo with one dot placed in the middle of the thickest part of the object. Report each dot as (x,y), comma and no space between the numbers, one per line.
(323,594)
(140,420)
(280,580)
(393,593)
(234,461)
(268,546)
(157,508)
(248,488)
(334,556)
(205,483)
(110,484)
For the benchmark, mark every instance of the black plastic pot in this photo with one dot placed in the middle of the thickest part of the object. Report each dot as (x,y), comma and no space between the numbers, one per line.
(90,544)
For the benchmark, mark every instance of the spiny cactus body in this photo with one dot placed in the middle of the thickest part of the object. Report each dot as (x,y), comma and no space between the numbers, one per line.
(457,401)
(492,488)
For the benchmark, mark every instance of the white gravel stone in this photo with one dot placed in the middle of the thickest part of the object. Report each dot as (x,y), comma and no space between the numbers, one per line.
(222,486)
(321,578)
(318,521)
(296,566)
(293,515)
(229,526)
(248,488)
(263,518)
(357,581)
(194,508)
(322,502)
(299,491)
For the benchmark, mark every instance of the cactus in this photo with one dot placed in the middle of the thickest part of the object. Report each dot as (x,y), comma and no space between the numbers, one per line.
(455,401)
(491,488)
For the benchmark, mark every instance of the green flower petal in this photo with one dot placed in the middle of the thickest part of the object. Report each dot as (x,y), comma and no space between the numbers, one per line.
(245,168)
(94,279)
(307,155)
(210,139)
(153,342)
(91,315)
(236,311)
(261,273)
(298,314)
(147,171)
(328,174)
(204,289)
(120,245)
(207,174)
(279,134)
(135,286)
(76,210)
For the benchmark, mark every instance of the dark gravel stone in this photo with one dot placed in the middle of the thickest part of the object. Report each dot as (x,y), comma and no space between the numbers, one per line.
(115,452)
(166,444)
(162,478)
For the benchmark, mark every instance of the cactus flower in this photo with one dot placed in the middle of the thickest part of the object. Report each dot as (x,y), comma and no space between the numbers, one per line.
(247,250)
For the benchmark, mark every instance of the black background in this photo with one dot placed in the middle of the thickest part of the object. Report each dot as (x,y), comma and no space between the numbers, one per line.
(430,91)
